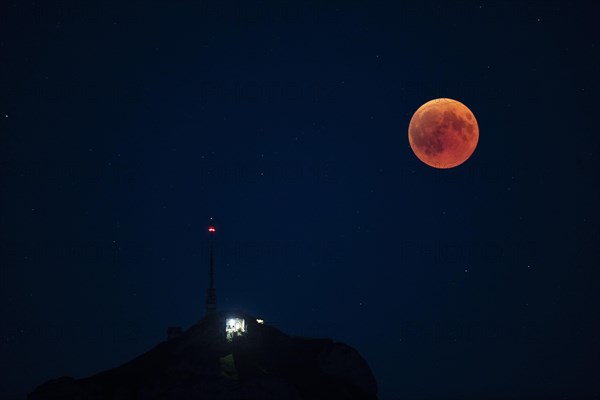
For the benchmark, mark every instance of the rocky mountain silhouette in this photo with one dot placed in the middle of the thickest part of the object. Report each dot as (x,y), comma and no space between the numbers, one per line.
(205,362)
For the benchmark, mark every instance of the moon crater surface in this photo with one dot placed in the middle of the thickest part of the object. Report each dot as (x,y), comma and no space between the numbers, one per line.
(443,133)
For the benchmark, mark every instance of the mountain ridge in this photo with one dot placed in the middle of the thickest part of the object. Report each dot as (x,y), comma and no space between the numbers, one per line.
(207,362)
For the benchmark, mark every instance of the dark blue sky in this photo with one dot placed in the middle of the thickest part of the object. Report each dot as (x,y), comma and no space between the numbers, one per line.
(124,127)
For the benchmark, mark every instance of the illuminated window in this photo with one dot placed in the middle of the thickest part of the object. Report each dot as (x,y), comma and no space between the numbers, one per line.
(234,327)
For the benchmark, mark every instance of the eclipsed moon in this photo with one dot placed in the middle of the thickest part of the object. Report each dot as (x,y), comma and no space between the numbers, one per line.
(443,133)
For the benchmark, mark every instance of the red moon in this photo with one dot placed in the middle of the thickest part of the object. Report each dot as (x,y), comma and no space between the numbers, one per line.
(443,133)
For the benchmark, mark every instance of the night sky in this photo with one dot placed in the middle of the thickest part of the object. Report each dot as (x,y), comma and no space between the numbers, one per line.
(125,127)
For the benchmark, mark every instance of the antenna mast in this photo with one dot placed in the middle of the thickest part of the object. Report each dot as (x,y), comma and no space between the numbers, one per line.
(211,296)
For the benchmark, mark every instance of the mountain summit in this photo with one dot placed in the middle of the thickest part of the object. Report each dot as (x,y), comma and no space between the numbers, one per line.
(228,356)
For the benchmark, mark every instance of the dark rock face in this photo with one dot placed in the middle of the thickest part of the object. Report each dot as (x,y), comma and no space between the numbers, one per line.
(263,364)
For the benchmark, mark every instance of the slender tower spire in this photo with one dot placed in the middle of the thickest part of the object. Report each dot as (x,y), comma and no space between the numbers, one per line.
(211,296)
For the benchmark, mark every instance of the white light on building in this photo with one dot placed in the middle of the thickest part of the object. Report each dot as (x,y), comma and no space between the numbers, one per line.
(234,327)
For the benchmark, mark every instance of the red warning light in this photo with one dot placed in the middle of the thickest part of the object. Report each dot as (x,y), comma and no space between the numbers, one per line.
(211,229)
